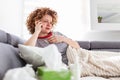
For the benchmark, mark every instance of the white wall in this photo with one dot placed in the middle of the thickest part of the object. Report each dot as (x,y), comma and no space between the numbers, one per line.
(102,36)
(11,16)
(73,15)
(74,21)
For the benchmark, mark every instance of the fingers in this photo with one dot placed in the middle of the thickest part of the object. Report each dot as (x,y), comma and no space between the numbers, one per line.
(38,26)
(38,23)
(52,39)
(55,39)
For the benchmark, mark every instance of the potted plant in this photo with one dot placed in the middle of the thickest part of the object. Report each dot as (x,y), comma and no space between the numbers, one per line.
(99,19)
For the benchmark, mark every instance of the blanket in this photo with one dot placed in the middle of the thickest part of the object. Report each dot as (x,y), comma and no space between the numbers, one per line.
(104,64)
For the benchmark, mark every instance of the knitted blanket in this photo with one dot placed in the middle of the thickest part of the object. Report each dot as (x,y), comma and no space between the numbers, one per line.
(104,64)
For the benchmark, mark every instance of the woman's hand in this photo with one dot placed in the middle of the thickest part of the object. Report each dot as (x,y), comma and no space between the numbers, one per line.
(38,26)
(59,38)
(32,40)
(55,39)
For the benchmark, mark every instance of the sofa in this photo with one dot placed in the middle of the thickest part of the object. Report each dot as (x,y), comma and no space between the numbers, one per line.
(9,53)
(9,57)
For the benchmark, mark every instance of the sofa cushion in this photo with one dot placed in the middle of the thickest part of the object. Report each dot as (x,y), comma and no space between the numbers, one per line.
(112,50)
(84,44)
(10,38)
(14,40)
(105,45)
(3,36)
(9,58)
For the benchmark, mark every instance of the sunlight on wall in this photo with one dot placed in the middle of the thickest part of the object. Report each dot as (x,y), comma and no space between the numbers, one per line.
(73,16)
(11,17)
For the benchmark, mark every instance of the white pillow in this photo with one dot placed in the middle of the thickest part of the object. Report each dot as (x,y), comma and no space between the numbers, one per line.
(21,73)
(38,56)
(32,55)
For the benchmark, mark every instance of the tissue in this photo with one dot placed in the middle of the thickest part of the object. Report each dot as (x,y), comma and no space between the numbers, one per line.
(53,58)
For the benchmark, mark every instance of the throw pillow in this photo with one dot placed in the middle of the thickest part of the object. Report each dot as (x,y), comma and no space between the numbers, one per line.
(32,55)
(38,56)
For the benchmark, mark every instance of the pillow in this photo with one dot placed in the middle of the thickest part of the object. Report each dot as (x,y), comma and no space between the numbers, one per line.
(32,55)
(3,36)
(38,56)
(14,40)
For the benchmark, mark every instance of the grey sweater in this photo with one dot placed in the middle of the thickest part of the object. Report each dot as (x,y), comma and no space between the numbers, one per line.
(62,47)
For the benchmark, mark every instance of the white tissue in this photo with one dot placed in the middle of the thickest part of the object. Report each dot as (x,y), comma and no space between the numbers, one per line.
(23,73)
(53,58)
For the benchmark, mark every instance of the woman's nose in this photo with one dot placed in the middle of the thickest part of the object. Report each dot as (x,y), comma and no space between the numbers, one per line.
(49,23)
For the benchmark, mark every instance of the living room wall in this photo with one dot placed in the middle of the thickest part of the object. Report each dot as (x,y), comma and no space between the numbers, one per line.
(12,12)
(73,21)
(11,20)
(11,16)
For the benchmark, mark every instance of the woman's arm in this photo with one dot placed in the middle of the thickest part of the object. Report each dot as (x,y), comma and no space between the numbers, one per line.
(32,40)
(71,42)
(60,38)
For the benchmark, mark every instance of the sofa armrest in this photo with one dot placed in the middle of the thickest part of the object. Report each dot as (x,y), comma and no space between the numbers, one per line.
(14,40)
(9,58)
(10,39)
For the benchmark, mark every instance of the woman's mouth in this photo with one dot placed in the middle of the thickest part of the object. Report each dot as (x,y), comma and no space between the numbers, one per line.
(48,28)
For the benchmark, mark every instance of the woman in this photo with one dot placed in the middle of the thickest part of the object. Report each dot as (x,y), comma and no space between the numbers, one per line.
(40,24)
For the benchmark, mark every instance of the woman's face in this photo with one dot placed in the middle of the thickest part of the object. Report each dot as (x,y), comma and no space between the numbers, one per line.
(46,24)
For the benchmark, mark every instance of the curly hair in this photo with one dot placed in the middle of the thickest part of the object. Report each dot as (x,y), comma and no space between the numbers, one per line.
(38,15)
